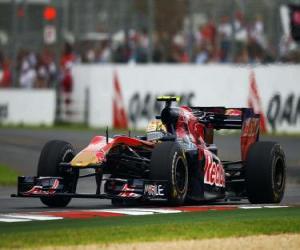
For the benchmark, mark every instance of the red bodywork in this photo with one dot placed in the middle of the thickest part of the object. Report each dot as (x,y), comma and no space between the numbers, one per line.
(99,148)
(188,126)
(250,132)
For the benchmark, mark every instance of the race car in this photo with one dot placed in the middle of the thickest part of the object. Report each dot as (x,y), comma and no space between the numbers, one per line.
(175,161)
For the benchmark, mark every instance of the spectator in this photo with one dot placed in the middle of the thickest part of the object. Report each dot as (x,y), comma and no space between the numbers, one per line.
(225,36)
(46,70)
(28,74)
(286,47)
(257,32)
(5,74)
(42,75)
(141,43)
(240,30)
(67,61)
(203,54)
(208,33)
(104,54)
(122,53)
(66,86)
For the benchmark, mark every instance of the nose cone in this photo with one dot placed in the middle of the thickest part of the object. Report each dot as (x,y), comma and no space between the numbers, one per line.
(84,158)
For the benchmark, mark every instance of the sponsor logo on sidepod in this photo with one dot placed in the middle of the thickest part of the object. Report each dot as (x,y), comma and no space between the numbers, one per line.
(213,172)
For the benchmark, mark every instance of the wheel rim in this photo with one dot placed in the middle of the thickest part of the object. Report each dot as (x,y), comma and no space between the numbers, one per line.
(279,175)
(180,175)
(68,156)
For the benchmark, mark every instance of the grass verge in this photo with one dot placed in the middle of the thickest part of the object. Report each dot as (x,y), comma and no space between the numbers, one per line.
(58,126)
(8,176)
(69,127)
(163,227)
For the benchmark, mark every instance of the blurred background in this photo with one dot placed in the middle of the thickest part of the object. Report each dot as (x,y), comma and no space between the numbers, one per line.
(42,40)
(42,35)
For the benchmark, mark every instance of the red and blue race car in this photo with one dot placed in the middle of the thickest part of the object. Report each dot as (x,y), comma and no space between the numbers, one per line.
(176,161)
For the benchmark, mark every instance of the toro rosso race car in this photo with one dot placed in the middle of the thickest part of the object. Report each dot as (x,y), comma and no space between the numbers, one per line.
(175,161)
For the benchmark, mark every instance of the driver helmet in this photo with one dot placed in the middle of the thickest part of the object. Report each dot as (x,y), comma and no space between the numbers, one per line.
(155,130)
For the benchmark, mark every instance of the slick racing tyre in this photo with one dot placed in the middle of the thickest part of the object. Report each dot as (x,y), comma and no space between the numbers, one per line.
(53,153)
(265,173)
(168,162)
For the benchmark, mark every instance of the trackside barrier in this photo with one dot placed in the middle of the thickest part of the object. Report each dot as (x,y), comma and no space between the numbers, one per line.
(272,90)
(30,107)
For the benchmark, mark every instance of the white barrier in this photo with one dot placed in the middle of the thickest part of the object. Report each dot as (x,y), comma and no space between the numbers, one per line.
(275,91)
(31,107)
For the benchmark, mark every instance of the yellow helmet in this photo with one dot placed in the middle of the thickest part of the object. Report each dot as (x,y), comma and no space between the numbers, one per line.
(156,125)
(155,130)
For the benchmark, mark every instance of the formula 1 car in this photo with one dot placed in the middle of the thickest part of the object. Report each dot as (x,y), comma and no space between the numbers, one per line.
(175,161)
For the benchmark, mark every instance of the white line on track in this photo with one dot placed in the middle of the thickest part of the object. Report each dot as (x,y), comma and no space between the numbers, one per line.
(141,211)
(13,220)
(275,206)
(133,211)
(250,207)
(27,217)
(257,207)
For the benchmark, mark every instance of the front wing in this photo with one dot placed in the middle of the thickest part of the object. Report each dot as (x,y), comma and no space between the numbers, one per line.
(114,188)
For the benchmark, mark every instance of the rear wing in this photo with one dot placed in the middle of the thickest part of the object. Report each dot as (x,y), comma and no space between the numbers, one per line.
(218,117)
(231,118)
(223,118)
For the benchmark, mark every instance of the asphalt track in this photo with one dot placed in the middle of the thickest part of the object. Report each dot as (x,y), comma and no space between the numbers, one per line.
(20,148)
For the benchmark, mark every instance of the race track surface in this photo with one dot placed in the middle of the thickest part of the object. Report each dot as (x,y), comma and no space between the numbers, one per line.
(20,149)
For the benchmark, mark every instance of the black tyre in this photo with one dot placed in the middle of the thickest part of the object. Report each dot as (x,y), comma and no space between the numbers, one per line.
(265,173)
(168,162)
(52,154)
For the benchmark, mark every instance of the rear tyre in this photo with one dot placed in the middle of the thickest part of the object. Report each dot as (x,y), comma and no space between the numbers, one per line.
(53,153)
(265,173)
(168,162)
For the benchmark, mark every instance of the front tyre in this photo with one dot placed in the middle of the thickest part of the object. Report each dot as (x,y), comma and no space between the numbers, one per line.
(53,153)
(168,162)
(265,173)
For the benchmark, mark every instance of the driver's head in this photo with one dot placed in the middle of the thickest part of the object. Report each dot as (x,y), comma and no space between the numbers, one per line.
(155,130)
(156,125)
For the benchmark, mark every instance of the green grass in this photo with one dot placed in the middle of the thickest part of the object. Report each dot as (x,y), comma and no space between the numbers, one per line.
(67,126)
(58,126)
(76,127)
(8,176)
(183,226)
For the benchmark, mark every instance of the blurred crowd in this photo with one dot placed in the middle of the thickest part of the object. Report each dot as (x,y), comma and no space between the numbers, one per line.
(38,70)
(228,42)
